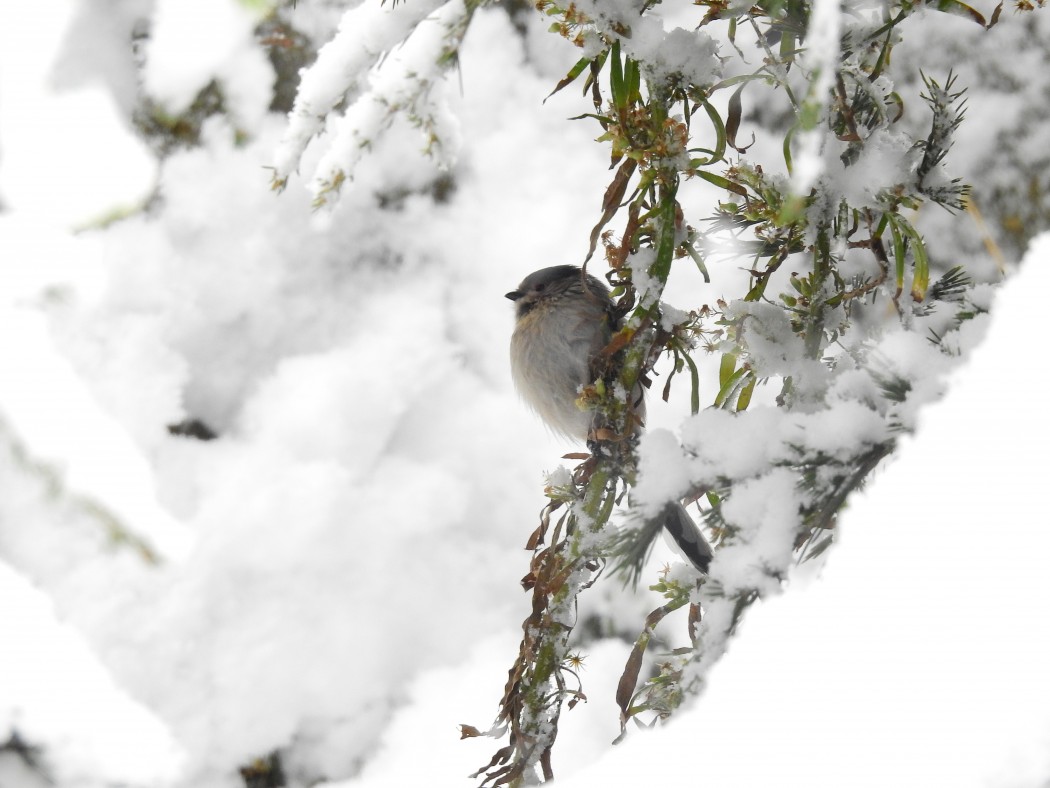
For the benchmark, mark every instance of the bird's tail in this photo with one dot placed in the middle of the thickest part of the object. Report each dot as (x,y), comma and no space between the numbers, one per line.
(685,533)
(632,545)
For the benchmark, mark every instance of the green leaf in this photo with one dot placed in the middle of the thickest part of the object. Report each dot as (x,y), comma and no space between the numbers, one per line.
(726,368)
(722,182)
(730,387)
(958,8)
(694,375)
(792,210)
(633,81)
(591,83)
(744,399)
(568,79)
(787,147)
(718,154)
(903,230)
(616,78)
(898,251)
(809,115)
(921,280)
(884,56)
(757,290)
(661,266)
(737,80)
(699,262)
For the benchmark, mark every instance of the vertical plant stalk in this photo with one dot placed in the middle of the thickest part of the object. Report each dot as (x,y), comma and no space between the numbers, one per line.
(539,681)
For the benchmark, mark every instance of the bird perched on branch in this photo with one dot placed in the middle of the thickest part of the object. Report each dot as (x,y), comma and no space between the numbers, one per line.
(565,319)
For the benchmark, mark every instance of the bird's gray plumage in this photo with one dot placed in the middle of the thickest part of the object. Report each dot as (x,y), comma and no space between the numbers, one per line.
(565,319)
(553,347)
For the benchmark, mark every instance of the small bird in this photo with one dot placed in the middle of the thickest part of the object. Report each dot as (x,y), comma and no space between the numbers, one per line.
(565,317)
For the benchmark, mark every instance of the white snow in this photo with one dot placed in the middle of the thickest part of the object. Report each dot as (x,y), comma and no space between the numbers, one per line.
(673,56)
(57,695)
(339,574)
(919,655)
(193,42)
(64,172)
(764,510)
(62,425)
(820,59)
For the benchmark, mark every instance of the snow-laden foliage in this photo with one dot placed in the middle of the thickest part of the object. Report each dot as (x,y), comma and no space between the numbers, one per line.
(384,60)
(264,462)
(836,220)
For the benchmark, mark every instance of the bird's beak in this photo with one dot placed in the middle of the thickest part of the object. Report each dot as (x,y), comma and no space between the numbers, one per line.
(514,295)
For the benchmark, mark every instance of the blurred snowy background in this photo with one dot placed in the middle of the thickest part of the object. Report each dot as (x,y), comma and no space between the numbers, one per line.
(265,487)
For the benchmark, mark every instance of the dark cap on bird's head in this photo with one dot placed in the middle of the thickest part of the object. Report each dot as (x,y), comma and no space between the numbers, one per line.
(552,282)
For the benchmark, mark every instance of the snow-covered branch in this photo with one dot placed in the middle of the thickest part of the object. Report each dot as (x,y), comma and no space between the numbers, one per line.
(385,60)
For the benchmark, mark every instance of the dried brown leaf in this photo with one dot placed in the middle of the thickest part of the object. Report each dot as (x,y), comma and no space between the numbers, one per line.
(611,201)
(629,679)
(502,756)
